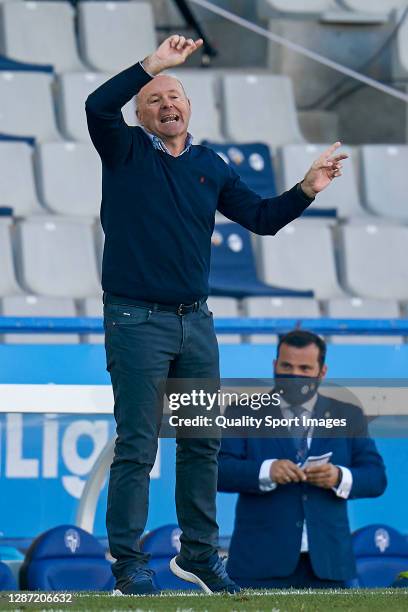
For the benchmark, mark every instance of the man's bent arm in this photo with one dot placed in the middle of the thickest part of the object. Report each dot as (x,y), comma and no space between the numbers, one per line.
(261,216)
(110,135)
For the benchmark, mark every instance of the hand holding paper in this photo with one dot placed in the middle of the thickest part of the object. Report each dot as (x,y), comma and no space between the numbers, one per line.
(320,472)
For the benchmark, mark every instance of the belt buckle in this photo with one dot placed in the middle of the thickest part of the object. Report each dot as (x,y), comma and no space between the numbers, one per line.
(180,310)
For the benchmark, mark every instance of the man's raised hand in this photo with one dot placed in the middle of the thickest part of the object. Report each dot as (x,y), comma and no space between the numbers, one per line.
(172,52)
(323,171)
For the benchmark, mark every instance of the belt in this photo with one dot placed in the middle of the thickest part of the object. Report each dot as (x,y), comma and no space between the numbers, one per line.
(180,309)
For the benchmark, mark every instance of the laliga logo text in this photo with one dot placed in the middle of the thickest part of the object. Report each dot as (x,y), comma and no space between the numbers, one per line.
(57,451)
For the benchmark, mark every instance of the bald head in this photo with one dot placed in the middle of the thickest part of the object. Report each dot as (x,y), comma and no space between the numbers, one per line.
(163,107)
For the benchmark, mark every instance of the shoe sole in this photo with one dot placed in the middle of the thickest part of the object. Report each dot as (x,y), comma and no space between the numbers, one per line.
(188,576)
(118,593)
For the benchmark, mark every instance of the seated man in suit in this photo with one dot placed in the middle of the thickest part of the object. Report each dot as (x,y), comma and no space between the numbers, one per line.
(296,519)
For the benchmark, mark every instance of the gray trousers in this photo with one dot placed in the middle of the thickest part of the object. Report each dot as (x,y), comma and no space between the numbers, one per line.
(145,350)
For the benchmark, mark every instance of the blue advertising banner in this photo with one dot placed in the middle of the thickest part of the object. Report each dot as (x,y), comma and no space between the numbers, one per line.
(45,460)
(56,417)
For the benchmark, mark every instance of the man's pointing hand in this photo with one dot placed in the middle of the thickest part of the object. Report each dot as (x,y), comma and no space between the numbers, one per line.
(326,168)
(172,52)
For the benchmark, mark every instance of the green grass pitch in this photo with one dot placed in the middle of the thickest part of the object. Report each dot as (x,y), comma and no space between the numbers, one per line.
(383,600)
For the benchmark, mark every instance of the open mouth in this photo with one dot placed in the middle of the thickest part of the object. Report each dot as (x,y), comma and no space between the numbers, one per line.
(170,119)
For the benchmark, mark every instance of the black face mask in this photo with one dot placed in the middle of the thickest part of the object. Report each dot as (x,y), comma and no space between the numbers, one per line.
(294,389)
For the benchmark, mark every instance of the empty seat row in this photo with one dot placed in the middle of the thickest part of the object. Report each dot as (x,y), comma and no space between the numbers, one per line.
(111,35)
(60,257)
(272,119)
(67,177)
(37,118)
(304,257)
(202,87)
(337,308)
(307,308)
(40,306)
(260,307)
(53,257)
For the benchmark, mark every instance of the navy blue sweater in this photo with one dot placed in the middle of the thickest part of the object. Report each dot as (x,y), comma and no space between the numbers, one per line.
(158,210)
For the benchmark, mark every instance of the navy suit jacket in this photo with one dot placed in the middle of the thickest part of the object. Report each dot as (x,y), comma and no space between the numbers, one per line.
(268,527)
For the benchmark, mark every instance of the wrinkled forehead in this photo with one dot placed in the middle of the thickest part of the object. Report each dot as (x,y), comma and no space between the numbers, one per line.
(160,85)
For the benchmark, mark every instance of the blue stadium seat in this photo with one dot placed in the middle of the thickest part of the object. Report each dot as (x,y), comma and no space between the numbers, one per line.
(381,554)
(7,580)
(163,544)
(233,271)
(253,163)
(66,558)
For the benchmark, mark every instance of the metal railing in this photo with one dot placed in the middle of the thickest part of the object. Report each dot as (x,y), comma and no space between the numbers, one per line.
(240,325)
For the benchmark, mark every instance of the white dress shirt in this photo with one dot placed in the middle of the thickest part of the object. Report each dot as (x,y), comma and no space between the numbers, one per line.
(266,483)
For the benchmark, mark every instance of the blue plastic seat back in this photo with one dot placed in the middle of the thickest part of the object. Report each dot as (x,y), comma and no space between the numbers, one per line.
(381,554)
(231,256)
(252,162)
(7,580)
(233,268)
(66,558)
(163,543)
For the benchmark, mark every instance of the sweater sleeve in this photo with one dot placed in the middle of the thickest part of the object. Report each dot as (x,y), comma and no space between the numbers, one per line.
(111,136)
(261,216)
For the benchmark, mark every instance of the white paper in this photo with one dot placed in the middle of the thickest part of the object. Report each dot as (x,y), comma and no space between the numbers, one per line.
(317,460)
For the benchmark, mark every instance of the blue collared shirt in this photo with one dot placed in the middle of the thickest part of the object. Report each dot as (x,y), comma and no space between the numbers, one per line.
(160,146)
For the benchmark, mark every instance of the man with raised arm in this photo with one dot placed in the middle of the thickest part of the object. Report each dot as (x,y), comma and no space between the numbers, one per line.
(159,198)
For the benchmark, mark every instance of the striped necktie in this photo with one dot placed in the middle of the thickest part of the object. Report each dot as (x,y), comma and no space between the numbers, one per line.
(299,433)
